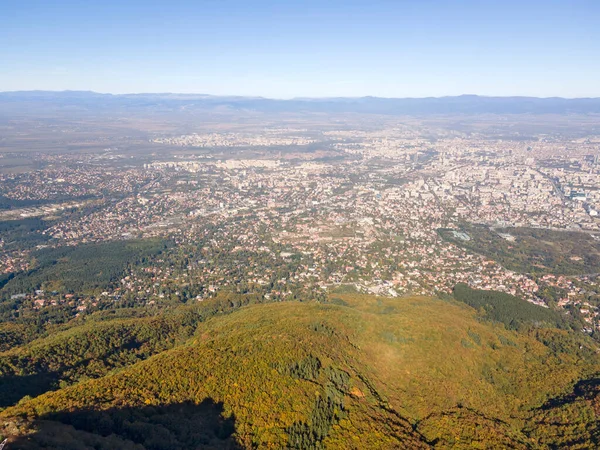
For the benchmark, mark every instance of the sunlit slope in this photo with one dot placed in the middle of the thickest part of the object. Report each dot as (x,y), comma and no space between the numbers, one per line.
(435,354)
(375,373)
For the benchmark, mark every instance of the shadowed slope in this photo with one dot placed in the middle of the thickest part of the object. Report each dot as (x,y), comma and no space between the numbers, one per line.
(184,426)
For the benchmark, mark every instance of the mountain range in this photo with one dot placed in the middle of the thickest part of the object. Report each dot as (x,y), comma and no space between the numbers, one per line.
(464,104)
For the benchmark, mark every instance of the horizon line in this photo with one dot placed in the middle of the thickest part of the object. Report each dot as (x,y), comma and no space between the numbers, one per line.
(64,91)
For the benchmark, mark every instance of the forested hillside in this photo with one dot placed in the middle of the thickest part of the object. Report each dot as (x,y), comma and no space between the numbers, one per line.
(512,311)
(84,268)
(357,372)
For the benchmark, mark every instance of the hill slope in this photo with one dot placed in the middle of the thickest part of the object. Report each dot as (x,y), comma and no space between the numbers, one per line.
(377,373)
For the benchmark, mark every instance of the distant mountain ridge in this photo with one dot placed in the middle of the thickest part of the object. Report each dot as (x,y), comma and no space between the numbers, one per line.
(463,104)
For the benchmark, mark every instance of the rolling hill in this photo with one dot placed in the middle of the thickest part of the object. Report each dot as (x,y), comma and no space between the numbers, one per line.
(360,372)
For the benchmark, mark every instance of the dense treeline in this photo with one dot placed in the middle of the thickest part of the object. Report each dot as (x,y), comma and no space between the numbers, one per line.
(513,312)
(5,278)
(83,268)
(24,233)
(13,203)
(10,203)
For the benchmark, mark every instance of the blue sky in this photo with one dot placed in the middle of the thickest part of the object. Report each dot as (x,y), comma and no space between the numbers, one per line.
(291,48)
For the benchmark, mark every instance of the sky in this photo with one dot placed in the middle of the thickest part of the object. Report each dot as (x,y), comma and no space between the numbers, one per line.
(310,48)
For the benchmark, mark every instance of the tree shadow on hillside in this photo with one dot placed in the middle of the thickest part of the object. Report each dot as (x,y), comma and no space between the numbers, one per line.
(172,427)
(571,419)
(586,389)
(15,387)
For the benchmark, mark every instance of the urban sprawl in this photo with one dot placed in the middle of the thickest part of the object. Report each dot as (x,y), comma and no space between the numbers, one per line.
(366,213)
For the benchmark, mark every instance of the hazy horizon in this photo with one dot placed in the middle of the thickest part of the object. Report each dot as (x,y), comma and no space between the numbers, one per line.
(325,97)
(303,49)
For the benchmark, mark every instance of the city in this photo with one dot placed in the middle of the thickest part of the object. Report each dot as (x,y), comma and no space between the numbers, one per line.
(363,211)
